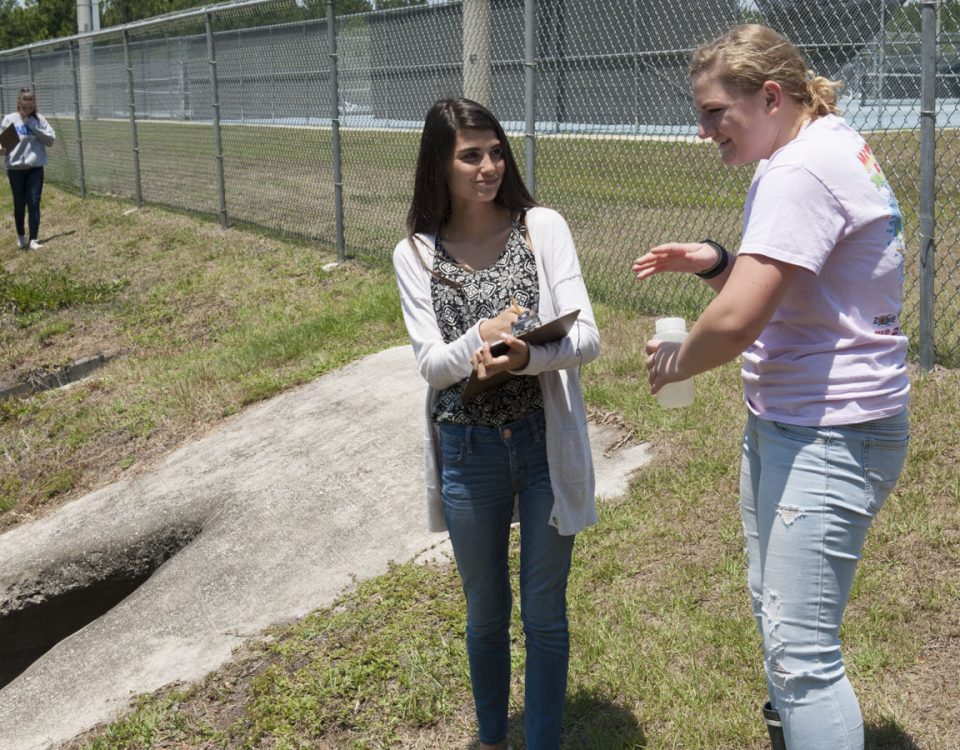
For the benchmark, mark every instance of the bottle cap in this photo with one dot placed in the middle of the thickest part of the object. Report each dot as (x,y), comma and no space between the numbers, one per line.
(671,324)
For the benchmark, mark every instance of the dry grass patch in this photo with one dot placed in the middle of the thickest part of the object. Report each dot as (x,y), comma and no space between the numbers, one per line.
(201,322)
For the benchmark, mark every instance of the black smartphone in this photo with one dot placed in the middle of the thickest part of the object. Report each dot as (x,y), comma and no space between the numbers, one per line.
(499,349)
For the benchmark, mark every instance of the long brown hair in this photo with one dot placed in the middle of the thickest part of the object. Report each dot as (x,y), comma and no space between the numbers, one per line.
(430,207)
(748,56)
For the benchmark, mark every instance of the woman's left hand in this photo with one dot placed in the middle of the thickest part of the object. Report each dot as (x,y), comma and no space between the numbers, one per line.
(486,364)
(663,364)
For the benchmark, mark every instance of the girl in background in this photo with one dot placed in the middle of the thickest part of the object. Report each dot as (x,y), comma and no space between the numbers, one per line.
(24,164)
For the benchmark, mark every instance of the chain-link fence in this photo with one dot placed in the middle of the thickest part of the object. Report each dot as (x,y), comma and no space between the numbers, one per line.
(279,114)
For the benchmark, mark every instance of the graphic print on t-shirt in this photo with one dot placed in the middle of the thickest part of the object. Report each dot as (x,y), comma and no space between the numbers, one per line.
(886,325)
(878,178)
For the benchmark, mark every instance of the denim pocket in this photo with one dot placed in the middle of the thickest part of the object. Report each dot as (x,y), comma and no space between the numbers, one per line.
(882,463)
(453,449)
(800,433)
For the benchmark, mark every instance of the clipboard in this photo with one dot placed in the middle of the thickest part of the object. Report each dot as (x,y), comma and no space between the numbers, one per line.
(554,330)
(9,138)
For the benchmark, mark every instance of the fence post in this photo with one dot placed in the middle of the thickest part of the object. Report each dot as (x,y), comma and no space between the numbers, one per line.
(476,52)
(184,87)
(928,125)
(132,104)
(335,125)
(217,141)
(76,120)
(530,92)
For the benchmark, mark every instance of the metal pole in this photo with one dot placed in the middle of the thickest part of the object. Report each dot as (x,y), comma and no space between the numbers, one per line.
(86,24)
(928,125)
(335,124)
(530,92)
(184,87)
(561,52)
(131,103)
(30,71)
(882,59)
(476,51)
(217,142)
(76,120)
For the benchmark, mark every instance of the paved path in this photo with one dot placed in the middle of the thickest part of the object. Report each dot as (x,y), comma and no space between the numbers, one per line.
(280,510)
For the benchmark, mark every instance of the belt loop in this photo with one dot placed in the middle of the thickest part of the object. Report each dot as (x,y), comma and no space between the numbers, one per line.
(468,439)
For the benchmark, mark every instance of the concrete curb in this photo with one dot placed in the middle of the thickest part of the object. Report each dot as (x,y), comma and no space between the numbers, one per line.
(57,378)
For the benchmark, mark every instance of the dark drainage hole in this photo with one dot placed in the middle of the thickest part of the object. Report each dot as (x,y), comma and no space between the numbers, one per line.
(27,634)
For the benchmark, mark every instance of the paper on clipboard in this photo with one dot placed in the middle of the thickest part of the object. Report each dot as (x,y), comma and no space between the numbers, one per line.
(9,138)
(551,331)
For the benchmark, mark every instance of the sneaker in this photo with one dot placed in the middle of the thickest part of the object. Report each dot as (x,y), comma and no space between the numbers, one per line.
(22,240)
(34,245)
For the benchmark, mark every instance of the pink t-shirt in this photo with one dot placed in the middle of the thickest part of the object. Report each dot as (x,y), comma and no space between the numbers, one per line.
(833,352)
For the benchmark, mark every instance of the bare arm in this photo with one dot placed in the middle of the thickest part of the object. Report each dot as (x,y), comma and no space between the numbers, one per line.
(682,257)
(750,294)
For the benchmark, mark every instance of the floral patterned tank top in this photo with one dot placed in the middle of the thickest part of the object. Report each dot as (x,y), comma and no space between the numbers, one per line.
(484,294)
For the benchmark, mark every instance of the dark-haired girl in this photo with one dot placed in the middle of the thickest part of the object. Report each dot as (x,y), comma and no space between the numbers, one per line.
(477,245)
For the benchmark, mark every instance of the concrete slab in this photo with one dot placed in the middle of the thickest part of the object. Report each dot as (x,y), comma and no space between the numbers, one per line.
(280,510)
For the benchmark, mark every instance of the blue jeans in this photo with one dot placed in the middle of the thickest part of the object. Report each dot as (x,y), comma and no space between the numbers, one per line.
(484,469)
(27,186)
(808,496)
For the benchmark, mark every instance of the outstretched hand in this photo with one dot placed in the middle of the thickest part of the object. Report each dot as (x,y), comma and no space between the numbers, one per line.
(678,257)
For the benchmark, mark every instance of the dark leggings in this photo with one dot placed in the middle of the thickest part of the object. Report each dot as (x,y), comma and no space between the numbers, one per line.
(27,185)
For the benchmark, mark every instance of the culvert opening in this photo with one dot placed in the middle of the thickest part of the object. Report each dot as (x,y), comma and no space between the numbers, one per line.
(35,621)
(29,633)
(45,378)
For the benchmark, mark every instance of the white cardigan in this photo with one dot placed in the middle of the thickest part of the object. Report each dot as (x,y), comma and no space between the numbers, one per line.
(556,364)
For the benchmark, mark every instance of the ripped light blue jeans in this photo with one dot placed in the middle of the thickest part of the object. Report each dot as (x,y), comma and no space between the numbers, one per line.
(808,495)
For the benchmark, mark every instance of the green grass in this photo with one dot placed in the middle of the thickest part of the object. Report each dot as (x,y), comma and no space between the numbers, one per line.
(200,322)
(664,649)
(49,289)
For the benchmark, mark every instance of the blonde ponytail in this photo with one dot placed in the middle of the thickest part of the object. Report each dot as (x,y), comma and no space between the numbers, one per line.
(748,56)
(822,95)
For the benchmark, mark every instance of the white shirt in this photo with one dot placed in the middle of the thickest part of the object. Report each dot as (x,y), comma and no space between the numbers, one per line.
(35,135)
(556,364)
(833,353)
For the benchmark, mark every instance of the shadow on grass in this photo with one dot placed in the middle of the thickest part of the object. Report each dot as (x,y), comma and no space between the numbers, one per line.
(45,240)
(590,722)
(888,736)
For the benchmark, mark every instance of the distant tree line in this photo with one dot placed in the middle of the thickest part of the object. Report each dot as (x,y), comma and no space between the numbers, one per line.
(40,20)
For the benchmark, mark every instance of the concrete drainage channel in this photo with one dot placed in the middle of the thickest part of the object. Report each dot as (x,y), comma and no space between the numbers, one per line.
(37,614)
(48,379)
(274,514)
(41,613)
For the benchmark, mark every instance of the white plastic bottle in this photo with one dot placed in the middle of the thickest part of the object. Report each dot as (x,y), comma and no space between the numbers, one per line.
(674,395)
